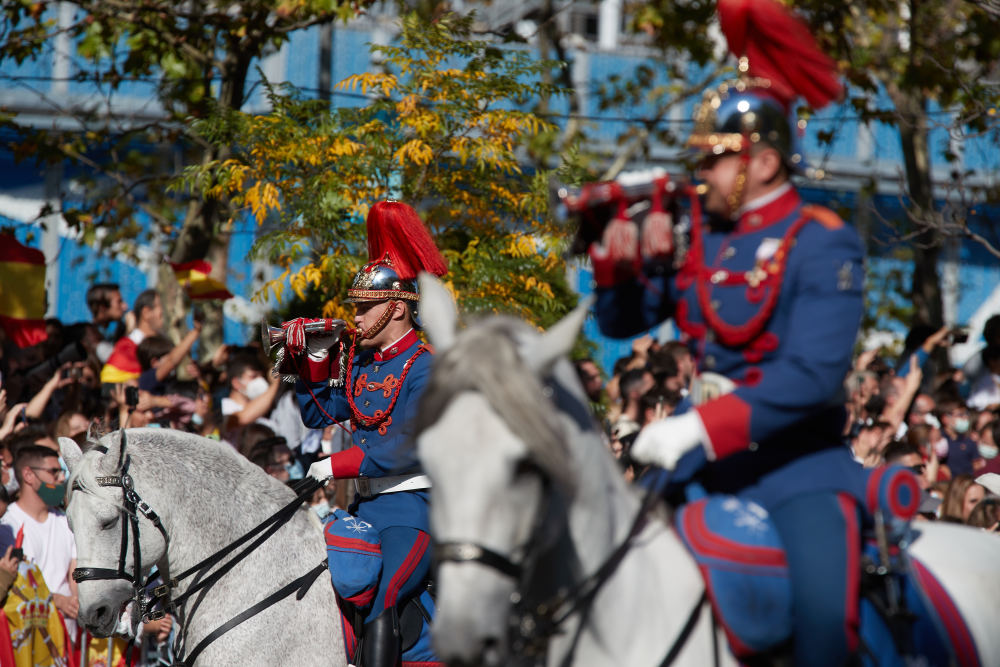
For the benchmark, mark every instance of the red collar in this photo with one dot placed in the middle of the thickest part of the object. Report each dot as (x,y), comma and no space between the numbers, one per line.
(399,347)
(770,213)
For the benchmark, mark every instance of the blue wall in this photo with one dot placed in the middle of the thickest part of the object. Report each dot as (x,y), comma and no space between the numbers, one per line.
(298,63)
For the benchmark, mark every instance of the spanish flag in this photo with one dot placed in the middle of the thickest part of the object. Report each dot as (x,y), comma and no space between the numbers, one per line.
(123,364)
(22,292)
(193,276)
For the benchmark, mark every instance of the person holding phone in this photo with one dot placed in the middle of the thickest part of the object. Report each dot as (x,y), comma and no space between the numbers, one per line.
(8,571)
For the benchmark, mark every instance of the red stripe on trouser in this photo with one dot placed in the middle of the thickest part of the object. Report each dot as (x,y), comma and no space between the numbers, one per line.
(350,641)
(853,541)
(406,569)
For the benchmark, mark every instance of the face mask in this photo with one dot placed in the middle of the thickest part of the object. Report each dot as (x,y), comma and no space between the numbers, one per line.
(988,451)
(52,494)
(322,510)
(256,387)
(197,419)
(11,486)
(295,471)
(961,425)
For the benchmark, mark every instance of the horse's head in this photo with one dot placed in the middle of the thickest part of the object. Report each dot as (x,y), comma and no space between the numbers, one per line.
(104,524)
(492,440)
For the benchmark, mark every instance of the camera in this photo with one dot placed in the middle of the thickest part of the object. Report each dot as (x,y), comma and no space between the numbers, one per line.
(958,335)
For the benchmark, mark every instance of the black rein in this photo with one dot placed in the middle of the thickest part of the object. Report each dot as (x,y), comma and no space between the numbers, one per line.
(133,505)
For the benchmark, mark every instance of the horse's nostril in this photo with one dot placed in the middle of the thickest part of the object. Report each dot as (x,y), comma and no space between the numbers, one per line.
(491,652)
(101,615)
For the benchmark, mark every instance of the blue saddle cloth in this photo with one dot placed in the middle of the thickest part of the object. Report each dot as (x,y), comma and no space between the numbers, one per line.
(743,563)
(354,555)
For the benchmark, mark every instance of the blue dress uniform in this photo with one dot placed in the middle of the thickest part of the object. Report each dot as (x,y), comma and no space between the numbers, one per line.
(386,387)
(774,304)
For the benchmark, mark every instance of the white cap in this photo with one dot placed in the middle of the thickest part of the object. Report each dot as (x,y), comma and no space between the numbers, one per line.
(991,481)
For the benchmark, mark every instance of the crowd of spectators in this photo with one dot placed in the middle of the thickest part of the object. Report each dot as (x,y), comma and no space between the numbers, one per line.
(120,368)
(89,378)
(914,410)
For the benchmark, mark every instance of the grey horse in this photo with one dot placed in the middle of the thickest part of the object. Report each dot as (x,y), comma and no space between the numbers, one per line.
(206,496)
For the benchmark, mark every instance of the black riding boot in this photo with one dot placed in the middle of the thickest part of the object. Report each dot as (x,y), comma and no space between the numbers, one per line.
(380,641)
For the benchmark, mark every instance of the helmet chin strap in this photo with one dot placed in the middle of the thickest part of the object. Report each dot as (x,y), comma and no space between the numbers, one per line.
(735,198)
(382,322)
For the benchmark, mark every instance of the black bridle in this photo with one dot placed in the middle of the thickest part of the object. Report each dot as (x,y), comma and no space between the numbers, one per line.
(533,623)
(132,506)
(146,602)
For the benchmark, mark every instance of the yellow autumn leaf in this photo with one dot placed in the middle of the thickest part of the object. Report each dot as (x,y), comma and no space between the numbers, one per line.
(415,151)
(261,198)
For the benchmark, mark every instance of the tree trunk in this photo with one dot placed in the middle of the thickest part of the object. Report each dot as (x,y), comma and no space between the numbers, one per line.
(201,236)
(926,285)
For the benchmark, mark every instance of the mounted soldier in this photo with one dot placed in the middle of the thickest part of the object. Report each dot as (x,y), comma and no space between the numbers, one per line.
(374,379)
(769,295)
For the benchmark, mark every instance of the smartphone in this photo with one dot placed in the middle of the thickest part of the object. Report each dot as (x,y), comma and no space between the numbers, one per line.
(959,335)
(17,553)
(132,397)
(198,313)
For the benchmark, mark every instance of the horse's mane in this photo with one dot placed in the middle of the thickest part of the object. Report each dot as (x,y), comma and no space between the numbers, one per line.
(184,454)
(485,359)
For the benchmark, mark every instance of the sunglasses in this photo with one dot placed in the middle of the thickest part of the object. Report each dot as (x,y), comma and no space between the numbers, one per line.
(55,472)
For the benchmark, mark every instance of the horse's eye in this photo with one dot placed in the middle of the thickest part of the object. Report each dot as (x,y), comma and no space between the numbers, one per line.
(526,467)
(108,523)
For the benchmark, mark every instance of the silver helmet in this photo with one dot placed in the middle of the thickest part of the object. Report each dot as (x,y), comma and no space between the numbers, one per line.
(738,114)
(378,281)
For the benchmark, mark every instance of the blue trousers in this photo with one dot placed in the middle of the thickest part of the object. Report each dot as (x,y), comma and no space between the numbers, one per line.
(821,533)
(406,562)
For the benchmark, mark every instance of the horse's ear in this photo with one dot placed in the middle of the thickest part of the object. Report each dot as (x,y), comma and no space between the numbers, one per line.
(71,452)
(93,431)
(438,314)
(558,341)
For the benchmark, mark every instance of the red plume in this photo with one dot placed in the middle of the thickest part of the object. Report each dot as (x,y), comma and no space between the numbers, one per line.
(394,228)
(779,47)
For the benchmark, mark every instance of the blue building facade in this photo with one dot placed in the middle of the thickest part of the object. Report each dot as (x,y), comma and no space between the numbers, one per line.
(859,156)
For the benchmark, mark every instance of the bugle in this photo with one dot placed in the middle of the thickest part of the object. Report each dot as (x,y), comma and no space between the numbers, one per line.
(271,337)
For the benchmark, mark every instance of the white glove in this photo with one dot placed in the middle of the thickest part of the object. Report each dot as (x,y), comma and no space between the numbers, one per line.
(322,470)
(318,345)
(664,442)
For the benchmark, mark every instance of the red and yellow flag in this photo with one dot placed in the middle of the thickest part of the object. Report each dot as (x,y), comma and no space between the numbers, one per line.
(123,364)
(32,633)
(22,292)
(193,276)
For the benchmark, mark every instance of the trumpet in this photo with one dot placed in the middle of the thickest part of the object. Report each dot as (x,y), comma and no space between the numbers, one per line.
(271,337)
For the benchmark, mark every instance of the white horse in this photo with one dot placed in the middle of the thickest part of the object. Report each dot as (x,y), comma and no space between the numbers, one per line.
(206,496)
(527,504)
(519,469)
